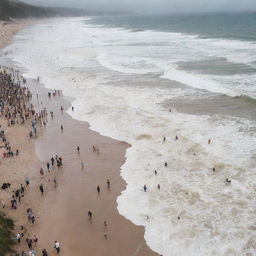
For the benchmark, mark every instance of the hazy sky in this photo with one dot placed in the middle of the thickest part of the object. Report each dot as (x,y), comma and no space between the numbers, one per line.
(152,6)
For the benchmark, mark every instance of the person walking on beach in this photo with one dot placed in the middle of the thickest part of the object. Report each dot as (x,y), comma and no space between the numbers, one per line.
(145,188)
(55,182)
(44,252)
(90,215)
(165,164)
(98,189)
(108,184)
(78,149)
(57,246)
(42,172)
(18,236)
(61,127)
(52,160)
(41,187)
(27,181)
(3,203)
(158,186)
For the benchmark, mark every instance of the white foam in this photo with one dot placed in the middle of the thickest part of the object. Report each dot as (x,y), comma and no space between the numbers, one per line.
(215,219)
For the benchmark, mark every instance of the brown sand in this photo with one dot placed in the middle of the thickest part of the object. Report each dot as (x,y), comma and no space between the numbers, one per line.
(61,214)
(8,29)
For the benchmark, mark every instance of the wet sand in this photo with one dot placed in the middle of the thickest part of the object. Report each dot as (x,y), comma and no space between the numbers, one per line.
(9,29)
(61,214)
(216,105)
(64,209)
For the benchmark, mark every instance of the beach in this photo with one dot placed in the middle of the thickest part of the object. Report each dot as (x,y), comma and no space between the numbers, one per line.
(168,103)
(9,29)
(62,212)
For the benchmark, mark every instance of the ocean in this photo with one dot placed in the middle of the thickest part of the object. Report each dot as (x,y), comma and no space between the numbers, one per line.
(141,78)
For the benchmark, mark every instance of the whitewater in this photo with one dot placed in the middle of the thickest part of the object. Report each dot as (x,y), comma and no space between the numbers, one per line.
(114,78)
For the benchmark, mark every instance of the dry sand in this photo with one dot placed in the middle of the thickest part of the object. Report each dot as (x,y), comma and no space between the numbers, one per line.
(61,214)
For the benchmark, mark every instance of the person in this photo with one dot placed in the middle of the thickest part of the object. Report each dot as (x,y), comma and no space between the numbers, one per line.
(31,253)
(61,108)
(90,215)
(72,108)
(164,139)
(42,172)
(155,172)
(3,203)
(105,224)
(176,137)
(29,243)
(57,246)
(78,149)
(213,169)
(41,187)
(52,160)
(209,141)
(108,184)
(55,182)
(228,181)
(35,239)
(27,181)
(44,252)
(61,127)
(98,189)
(18,236)
(145,188)
(165,164)
(22,189)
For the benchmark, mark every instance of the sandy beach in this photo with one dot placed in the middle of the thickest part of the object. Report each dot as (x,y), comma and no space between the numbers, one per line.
(61,213)
(9,29)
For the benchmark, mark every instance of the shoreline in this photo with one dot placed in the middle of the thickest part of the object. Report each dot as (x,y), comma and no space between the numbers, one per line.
(9,29)
(123,237)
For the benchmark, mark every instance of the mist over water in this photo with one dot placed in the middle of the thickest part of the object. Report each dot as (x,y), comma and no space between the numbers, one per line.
(121,76)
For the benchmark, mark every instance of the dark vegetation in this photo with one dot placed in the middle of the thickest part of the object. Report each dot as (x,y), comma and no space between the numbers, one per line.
(15,9)
(12,9)
(6,236)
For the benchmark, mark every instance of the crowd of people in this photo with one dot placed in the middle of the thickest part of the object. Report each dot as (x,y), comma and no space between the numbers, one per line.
(16,108)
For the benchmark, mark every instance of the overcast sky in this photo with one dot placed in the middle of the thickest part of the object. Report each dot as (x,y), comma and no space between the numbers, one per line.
(152,6)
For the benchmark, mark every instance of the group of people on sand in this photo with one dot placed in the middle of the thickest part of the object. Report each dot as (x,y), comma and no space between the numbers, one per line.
(16,109)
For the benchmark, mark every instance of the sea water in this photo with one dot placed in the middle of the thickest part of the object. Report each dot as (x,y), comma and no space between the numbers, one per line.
(124,73)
